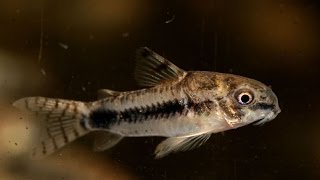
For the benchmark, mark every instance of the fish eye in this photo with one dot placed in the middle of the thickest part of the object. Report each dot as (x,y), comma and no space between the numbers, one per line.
(244,98)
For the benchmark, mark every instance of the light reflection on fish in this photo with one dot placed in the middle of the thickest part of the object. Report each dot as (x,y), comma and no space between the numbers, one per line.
(185,107)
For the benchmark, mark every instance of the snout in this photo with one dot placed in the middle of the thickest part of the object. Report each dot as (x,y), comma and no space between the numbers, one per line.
(274,100)
(277,109)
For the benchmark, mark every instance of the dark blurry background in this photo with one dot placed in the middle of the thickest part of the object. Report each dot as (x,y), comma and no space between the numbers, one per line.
(70,49)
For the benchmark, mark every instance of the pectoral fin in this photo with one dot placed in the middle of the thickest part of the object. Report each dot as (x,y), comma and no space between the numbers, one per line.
(105,140)
(183,143)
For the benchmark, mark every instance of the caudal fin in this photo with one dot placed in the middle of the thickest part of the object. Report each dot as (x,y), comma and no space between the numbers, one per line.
(62,121)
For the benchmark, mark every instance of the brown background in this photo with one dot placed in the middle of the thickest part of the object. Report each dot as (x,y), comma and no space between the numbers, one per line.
(70,49)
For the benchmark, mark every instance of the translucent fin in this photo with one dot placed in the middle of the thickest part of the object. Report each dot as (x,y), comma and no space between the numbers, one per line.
(152,69)
(60,121)
(175,144)
(105,140)
(104,93)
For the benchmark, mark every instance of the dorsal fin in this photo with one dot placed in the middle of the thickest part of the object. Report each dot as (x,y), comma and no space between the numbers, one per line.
(153,69)
(104,93)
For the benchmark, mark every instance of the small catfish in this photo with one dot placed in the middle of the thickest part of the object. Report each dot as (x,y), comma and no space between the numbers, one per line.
(186,107)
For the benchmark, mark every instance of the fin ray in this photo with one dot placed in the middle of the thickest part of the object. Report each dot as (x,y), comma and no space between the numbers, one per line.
(105,140)
(57,130)
(152,69)
(104,93)
(174,144)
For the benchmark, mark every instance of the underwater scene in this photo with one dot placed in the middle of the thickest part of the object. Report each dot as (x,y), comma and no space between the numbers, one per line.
(138,89)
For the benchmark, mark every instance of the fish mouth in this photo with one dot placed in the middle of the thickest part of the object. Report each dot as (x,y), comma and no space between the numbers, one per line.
(269,117)
(261,121)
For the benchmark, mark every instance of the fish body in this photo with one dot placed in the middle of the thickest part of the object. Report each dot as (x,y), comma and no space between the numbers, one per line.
(186,107)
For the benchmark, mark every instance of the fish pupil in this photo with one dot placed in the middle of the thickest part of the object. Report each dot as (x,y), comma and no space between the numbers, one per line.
(245,98)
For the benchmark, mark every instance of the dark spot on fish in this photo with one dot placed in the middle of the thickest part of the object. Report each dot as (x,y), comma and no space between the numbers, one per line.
(231,110)
(122,99)
(202,107)
(102,118)
(263,97)
(56,104)
(63,114)
(75,109)
(143,52)
(162,67)
(230,83)
(161,90)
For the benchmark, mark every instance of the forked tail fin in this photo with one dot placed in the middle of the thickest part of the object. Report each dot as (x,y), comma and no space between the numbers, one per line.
(62,121)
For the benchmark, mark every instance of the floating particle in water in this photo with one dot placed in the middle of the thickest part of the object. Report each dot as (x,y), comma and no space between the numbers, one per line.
(43,72)
(83,88)
(64,46)
(125,35)
(170,20)
(170,17)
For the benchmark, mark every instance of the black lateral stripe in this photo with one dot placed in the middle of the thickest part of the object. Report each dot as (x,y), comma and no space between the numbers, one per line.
(103,118)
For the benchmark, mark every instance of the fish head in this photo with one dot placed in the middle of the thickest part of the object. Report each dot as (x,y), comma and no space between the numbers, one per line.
(243,101)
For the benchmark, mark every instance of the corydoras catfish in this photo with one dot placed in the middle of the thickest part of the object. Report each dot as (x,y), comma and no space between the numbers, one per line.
(184,106)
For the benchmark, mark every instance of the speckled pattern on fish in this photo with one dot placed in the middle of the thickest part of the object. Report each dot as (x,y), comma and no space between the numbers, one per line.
(184,106)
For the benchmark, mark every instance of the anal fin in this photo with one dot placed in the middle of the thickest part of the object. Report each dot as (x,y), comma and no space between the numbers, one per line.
(105,140)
